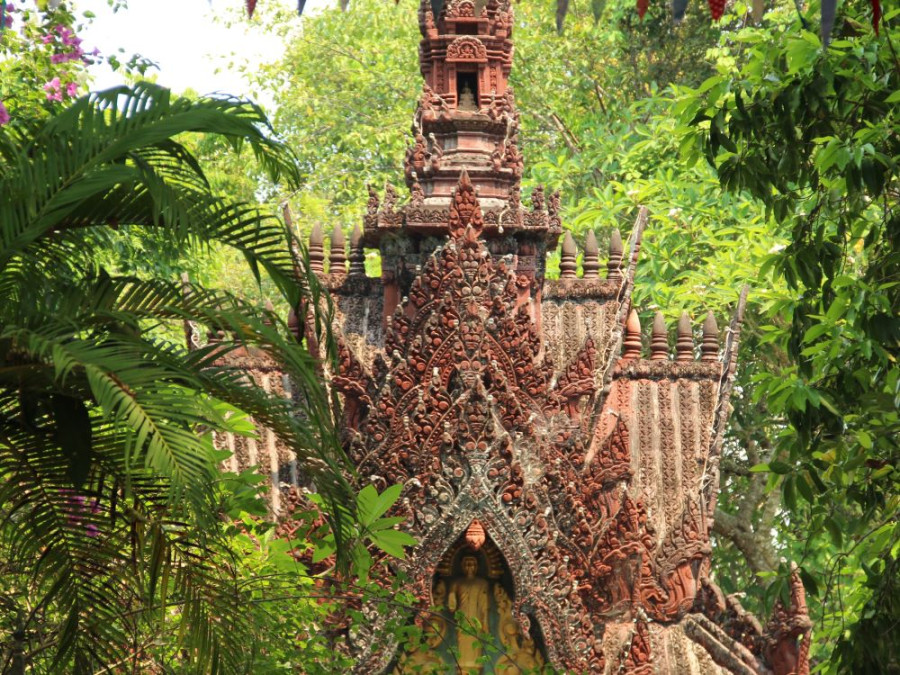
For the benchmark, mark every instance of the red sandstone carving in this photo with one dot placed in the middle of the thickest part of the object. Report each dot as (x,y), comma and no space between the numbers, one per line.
(788,632)
(589,477)
(466,49)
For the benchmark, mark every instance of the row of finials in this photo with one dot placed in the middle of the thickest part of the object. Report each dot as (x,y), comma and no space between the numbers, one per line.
(568,266)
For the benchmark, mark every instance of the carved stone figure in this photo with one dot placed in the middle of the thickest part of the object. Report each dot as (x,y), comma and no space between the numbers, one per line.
(435,153)
(467,99)
(470,596)
(417,195)
(497,157)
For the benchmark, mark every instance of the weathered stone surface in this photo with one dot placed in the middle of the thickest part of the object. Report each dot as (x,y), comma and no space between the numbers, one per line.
(523,417)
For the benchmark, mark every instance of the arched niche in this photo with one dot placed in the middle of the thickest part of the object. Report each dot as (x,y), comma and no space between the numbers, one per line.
(471,628)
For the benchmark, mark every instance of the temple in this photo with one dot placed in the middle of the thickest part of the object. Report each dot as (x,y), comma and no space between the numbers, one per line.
(559,476)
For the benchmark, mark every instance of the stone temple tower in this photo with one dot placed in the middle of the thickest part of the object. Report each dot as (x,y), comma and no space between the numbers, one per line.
(560,479)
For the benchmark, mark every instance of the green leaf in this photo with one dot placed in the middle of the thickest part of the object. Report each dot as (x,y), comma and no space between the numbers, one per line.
(392,542)
(779,467)
(837,536)
(372,506)
(809,582)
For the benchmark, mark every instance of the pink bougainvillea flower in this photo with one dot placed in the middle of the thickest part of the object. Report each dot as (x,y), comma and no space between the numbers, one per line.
(71,89)
(53,89)
(4,114)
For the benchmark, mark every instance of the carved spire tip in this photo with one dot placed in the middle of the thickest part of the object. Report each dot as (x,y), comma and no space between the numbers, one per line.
(709,349)
(316,237)
(632,342)
(659,340)
(684,344)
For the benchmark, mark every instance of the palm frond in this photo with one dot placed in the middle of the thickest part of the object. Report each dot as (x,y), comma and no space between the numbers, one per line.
(107,468)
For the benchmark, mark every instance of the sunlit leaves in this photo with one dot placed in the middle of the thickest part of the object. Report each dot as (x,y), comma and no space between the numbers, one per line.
(109,528)
(812,134)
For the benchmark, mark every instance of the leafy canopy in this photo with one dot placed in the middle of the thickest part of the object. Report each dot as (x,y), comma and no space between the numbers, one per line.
(110,514)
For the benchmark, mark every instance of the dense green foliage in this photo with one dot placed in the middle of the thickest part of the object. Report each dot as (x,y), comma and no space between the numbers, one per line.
(813,135)
(111,525)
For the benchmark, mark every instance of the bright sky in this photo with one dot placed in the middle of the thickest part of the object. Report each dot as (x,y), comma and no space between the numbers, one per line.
(184,38)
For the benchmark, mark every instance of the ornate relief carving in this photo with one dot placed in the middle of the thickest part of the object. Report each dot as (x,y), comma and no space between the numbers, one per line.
(466,49)
(786,641)
(587,484)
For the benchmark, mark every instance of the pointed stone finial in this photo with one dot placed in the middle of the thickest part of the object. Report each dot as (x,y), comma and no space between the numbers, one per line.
(632,342)
(465,211)
(709,349)
(567,262)
(337,257)
(684,341)
(659,339)
(316,252)
(616,251)
(475,535)
(591,261)
(288,218)
(357,254)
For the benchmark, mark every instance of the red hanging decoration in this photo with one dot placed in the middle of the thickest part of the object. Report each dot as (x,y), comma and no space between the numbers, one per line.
(251,7)
(642,6)
(876,14)
(716,8)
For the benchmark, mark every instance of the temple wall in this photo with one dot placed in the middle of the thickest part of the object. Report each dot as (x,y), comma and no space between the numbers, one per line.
(670,420)
(361,321)
(274,459)
(567,323)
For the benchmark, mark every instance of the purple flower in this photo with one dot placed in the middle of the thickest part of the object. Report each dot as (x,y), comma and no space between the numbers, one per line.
(4,114)
(54,93)
(47,39)
(92,530)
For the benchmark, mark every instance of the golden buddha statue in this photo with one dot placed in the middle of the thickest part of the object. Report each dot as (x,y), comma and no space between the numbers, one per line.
(470,596)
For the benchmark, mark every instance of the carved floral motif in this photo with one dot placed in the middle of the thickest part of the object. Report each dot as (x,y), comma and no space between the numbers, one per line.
(467,49)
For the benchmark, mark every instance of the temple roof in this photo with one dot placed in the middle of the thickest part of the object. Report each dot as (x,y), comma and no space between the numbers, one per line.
(530,409)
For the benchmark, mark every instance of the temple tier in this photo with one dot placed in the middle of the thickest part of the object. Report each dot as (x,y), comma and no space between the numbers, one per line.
(560,479)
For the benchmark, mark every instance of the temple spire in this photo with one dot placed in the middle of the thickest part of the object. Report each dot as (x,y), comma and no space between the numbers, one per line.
(466,117)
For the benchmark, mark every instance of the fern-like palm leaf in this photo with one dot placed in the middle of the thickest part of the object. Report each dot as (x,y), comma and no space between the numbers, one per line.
(107,466)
